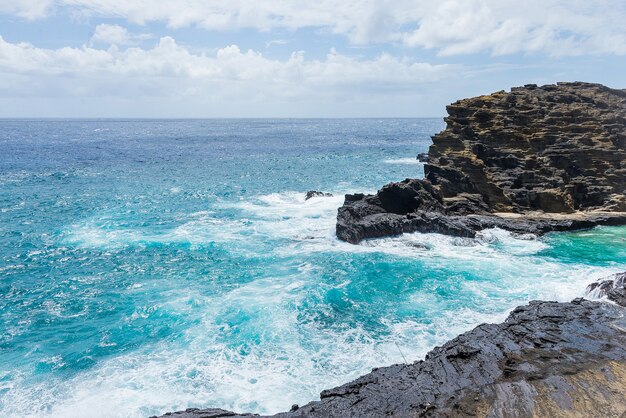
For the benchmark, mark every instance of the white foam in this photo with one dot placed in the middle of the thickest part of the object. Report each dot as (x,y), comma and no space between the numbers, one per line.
(296,226)
(289,216)
(294,362)
(90,235)
(278,215)
(290,358)
(404,161)
(201,228)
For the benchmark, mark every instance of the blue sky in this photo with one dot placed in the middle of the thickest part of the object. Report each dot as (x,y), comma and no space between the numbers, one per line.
(285,58)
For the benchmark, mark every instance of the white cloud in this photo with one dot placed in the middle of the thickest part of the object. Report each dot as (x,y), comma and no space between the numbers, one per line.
(276,42)
(111,73)
(28,9)
(171,69)
(117,35)
(555,27)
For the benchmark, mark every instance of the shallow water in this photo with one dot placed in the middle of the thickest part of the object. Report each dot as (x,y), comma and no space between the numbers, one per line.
(149,266)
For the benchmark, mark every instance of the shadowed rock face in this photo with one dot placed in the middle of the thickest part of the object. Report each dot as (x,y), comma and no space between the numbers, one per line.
(557,149)
(546,359)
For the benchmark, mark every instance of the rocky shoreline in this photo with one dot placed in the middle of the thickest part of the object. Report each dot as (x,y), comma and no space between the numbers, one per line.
(534,160)
(546,359)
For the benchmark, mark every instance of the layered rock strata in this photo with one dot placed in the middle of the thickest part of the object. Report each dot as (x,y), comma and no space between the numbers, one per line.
(546,359)
(535,159)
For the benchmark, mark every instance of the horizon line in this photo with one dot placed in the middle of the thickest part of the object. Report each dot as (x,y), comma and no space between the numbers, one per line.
(151,118)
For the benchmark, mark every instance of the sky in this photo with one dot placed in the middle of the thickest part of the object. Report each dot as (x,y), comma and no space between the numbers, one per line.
(294,58)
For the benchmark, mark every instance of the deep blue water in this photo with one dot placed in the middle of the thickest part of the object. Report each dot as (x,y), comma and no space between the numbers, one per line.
(148,266)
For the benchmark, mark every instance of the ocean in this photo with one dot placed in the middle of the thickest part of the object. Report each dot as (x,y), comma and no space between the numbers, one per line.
(154,265)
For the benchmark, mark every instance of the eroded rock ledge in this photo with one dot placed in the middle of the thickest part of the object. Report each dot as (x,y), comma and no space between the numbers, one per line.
(533,160)
(546,359)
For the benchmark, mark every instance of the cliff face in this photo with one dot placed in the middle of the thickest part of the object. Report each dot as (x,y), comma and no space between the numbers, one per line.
(547,359)
(554,148)
(535,151)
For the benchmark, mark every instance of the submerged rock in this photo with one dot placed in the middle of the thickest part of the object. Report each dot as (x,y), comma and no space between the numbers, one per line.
(313,193)
(536,159)
(545,359)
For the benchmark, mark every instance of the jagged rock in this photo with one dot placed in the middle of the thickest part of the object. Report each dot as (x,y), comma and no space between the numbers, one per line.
(313,193)
(422,157)
(545,359)
(556,148)
(204,413)
(555,154)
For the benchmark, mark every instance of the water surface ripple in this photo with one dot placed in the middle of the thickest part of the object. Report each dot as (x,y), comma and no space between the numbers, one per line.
(149,266)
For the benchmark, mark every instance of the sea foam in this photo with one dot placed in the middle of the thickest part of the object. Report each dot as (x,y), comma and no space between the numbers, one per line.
(153,266)
(296,329)
(404,161)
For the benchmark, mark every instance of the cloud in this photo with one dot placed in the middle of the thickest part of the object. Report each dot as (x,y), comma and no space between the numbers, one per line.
(557,28)
(554,27)
(171,69)
(27,9)
(117,35)
(276,42)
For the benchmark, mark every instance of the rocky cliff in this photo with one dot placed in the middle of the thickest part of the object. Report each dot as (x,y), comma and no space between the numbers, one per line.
(535,159)
(547,359)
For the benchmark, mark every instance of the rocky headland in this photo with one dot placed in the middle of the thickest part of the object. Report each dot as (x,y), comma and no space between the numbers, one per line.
(532,160)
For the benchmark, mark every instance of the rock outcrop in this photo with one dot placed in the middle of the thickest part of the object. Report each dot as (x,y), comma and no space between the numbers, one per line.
(546,359)
(535,159)
(314,193)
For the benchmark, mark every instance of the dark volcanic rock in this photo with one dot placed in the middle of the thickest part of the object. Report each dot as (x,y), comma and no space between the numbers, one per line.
(205,413)
(312,193)
(554,154)
(422,157)
(546,359)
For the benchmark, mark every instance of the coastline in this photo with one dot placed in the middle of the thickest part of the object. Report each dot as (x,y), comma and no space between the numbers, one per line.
(552,158)
(545,359)
(527,172)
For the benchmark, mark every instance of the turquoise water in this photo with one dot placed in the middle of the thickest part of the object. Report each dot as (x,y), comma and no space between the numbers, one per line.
(149,266)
